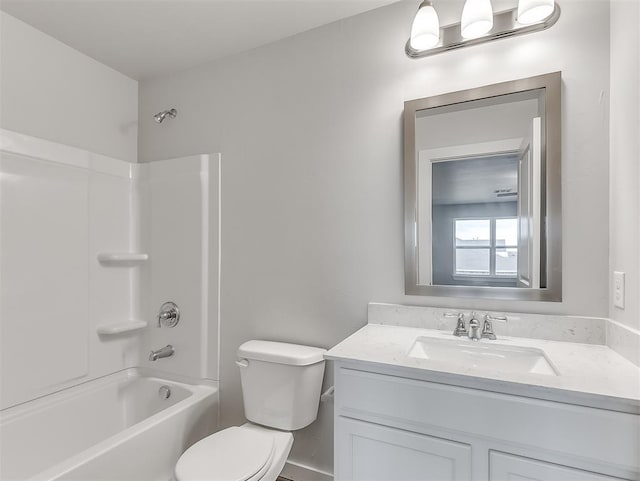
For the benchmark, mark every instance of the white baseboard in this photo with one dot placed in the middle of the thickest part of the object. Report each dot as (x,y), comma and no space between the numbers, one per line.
(299,472)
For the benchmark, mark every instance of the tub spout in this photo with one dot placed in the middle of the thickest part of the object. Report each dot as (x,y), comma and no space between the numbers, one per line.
(160,353)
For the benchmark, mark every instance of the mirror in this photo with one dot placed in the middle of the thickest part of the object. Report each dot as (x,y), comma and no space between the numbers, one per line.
(482,192)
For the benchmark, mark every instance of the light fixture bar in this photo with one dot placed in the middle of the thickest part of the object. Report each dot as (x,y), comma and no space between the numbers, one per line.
(504,25)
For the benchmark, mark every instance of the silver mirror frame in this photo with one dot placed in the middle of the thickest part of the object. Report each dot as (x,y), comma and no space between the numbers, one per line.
(552,199)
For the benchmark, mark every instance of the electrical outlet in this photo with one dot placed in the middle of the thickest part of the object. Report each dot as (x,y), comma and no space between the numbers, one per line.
(618,289)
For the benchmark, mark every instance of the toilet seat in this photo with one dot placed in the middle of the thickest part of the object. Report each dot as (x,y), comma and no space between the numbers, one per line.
(233,454)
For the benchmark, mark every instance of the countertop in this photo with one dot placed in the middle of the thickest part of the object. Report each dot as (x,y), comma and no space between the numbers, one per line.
(589,375)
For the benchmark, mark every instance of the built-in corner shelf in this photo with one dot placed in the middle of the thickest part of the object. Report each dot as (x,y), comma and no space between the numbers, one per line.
(121,327)
(122,259)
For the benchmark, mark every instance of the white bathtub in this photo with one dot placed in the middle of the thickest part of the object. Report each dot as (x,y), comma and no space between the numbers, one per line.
(114,428)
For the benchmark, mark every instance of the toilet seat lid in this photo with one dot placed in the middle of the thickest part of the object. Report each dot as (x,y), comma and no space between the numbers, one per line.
(233,454)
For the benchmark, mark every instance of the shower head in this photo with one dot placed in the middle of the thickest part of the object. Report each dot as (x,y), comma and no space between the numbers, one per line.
(160,116)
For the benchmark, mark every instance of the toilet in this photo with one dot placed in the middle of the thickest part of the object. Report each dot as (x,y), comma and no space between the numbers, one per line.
(281,386)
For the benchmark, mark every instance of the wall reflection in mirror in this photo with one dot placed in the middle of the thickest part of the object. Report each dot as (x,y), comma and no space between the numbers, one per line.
(482,206)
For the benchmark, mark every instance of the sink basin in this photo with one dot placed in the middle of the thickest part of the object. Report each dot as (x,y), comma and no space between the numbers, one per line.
(483,356)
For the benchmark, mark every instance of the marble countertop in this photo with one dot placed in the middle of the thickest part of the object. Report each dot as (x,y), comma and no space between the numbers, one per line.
(589,375)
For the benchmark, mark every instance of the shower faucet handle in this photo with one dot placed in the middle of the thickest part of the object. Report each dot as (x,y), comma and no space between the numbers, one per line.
(169,315)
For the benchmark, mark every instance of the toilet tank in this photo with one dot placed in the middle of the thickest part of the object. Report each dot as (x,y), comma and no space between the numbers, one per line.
(281,383)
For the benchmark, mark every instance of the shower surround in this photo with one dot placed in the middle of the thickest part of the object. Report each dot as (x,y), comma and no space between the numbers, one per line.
(90,247)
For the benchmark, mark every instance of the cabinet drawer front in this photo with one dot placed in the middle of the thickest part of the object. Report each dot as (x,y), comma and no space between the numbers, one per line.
(586,434)
(507,467)
(370,452)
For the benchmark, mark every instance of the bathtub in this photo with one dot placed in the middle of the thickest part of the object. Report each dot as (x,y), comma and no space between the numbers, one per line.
(118,427)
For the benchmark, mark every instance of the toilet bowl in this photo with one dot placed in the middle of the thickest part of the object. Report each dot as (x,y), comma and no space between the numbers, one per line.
(281,386)
(240,453)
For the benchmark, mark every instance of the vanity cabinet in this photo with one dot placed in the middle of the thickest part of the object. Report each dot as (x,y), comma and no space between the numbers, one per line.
(390,426)
(372,452)
(505,466)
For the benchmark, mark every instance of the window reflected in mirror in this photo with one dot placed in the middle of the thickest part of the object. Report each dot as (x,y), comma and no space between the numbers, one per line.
(485,249)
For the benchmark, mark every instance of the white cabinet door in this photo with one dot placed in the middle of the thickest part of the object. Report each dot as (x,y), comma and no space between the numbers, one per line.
(507,467)
(371,452)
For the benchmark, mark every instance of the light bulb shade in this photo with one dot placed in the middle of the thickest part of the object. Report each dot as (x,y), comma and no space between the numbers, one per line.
(532,11)
(425,30)
(477,18)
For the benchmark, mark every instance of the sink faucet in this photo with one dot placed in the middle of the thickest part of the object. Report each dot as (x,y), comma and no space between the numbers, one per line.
(474,328)
(160,353)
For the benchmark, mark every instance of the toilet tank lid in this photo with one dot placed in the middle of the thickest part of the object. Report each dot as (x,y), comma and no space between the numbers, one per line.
(281,353)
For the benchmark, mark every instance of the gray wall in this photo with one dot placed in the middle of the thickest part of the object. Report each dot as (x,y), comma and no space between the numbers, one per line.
(625,155)
(311,139)
(443,217)
(51,91)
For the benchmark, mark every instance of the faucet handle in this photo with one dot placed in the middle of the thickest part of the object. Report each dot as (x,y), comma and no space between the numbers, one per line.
(487,331)
(460,329)
(169,315)
(487,326)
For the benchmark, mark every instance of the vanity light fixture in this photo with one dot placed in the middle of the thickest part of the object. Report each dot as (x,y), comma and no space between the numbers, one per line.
(478,25)
(425,30)
(532,11)
(477,18)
